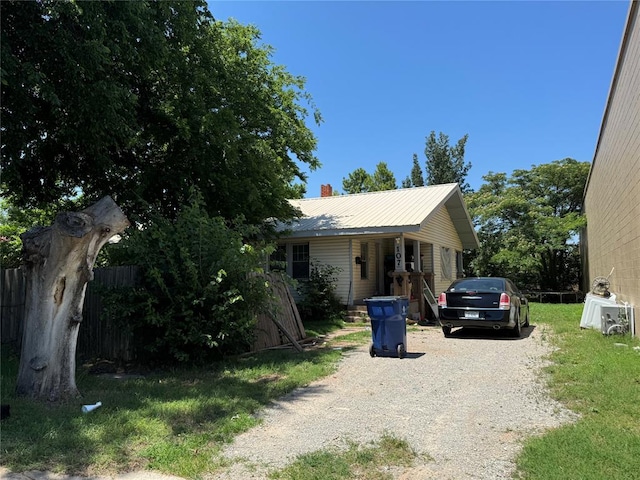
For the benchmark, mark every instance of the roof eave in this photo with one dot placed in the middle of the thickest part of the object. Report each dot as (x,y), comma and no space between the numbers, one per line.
(354,231)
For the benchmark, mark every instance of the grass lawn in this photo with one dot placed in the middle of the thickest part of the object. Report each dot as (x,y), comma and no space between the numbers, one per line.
(600,380)
(173,421)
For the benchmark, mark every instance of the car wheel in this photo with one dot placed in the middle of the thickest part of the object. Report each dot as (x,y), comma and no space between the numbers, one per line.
(517,330)
(446,331)
(526,319)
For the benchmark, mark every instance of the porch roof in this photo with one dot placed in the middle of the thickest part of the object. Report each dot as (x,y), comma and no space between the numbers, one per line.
(404,210)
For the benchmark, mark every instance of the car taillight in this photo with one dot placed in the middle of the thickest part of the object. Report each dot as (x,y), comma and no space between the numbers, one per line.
(442,300)
(505,302)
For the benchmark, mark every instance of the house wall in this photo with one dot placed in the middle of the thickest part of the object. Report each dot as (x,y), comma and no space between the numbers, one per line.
(335,251)
(612,196)
(440,232)
(365,287)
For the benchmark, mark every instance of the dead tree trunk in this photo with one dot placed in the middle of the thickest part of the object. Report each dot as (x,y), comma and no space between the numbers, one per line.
(58,261)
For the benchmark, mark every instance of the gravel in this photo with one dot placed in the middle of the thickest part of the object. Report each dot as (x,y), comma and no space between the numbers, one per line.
(464,404)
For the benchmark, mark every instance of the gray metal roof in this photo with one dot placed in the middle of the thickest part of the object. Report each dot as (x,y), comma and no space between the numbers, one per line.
(392,211)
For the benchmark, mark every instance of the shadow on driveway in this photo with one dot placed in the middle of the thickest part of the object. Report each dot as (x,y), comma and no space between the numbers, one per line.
(489,333)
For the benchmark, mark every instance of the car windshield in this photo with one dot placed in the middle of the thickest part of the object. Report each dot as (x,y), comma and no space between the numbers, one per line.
(479,285)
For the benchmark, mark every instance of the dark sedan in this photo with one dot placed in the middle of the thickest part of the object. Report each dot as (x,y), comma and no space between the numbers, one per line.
(483,302)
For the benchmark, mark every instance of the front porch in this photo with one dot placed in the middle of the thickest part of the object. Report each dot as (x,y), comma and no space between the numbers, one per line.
(401,269)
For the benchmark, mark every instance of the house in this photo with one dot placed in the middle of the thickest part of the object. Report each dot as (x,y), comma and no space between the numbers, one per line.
(611,240)
(394,242)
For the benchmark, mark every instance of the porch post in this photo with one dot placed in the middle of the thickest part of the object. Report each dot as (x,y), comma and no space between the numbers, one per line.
(351,283)
(399,256)
(418,278)
(417,267)
(400,271)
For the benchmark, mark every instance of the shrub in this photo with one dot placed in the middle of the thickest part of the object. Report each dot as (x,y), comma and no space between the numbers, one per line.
(319,299)
(199,291)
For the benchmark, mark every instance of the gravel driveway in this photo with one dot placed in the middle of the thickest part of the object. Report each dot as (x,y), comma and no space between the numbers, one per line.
(467,402)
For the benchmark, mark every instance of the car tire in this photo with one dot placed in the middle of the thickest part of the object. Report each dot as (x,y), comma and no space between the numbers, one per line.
(526,319)
(446,331)
(517,330)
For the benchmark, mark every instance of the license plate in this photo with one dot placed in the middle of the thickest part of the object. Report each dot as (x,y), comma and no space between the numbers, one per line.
(471,314)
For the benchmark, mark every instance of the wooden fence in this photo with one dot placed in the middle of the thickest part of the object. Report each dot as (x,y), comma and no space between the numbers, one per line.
(100,335)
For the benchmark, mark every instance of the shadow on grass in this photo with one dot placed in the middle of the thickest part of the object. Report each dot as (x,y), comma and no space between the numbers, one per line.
(173,422)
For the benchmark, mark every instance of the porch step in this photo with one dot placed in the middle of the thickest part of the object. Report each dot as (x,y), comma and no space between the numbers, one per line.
(356,313)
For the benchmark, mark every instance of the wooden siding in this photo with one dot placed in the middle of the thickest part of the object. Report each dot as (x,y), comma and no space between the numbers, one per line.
(440,232)
(334,251)
(612,197)
(365,288)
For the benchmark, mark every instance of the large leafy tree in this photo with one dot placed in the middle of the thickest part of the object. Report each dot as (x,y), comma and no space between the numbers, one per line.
(528,224)
(445,163)
(149,102)
(143,100)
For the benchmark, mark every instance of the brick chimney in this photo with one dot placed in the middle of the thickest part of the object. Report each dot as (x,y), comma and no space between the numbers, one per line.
(326,190)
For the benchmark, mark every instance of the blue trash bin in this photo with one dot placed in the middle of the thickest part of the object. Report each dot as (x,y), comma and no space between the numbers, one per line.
(388,325)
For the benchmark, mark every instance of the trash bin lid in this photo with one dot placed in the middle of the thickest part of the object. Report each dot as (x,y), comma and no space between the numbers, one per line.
(388,298)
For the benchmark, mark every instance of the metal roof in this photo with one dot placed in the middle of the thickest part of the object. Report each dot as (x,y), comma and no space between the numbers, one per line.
(392,211)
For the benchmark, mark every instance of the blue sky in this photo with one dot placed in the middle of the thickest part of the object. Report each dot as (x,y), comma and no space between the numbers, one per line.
(528,81)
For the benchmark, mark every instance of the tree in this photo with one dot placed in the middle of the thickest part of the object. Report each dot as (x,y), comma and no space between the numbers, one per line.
(416,172)
(16,221)
(445,163)
(358,181)
(528,224)
(383,178)
(416,179)
(58,263)
(148,99)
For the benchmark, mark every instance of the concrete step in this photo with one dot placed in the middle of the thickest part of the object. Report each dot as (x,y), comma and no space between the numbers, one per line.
(356,313)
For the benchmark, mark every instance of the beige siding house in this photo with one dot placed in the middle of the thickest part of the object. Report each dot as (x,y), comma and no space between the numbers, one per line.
(612,195)
(383,243)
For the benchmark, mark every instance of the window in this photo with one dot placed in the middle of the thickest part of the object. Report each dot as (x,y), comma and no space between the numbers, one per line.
(445,263)
(364,255)
(459,265)
(300,261)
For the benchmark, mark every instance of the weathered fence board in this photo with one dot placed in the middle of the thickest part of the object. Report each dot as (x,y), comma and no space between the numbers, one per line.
(100,335)
(268,334)
(12,296)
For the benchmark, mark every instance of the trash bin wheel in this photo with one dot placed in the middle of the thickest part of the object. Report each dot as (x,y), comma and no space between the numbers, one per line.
(401,351)
(372,351)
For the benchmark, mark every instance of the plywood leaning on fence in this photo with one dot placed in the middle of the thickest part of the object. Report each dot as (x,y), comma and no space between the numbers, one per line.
(282,324)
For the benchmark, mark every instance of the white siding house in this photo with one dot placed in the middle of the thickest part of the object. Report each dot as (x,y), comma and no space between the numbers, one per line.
(383,243)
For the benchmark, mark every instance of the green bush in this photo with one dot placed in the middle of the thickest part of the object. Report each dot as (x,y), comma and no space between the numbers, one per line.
(319,299)
(199,292)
